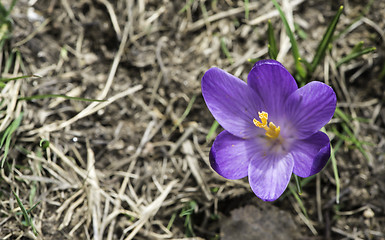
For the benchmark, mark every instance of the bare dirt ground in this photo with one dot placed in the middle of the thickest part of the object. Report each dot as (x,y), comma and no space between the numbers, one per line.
(126,168)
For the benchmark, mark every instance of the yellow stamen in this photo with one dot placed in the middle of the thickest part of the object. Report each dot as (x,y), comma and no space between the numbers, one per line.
(271,131)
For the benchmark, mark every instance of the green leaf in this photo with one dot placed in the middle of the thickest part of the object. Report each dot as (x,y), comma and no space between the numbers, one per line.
(27,218)
(13,3)
(171,222)
(298,184)
(253,60)
(299,200)
(340,114)
(355,141)
(212,130)
(301,33)
(247,10)
(4,80)
(335,168)
(354,54)
(6,138)
(294,46)
(272,46)
(185,113)
(3,12)
(44,143)
(327,38)
(364,12)
(59,96)
(226,50)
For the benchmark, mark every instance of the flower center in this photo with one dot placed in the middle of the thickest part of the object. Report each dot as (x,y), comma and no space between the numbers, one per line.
(271,131)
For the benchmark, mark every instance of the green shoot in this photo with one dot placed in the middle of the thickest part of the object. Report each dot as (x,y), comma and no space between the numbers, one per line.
(247,10)
(44,144)
(354,54)
(59,96)
(335,169)
(272,46)
(226,50)
(364,12)
(298,184)
(171,222)
(185,113)
(187,212)
(5,22)
(355,141)
(301,33)
(294,46)
(212,130)
(346,126)
(326,40)
(26,213)
(7,136)
(4,80)
(296,196)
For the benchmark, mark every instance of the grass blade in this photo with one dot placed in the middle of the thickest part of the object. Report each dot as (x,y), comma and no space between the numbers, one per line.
(27,218)
(13,3)
(335,169)
(298,184)
(320,53)
(296,196)
(4,80)
(355,141)
(212,130)
(185,113)
(272,46)
(6,138)
(247,10)
(59,96)
(294,46)
(354,54)
(226,50)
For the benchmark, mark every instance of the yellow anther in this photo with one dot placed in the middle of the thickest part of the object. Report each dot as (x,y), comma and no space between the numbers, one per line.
(272,131)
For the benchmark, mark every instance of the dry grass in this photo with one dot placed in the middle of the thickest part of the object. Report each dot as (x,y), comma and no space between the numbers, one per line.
(125,168)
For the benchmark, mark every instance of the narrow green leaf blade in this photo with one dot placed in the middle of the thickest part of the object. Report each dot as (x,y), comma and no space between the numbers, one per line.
(272,46)
(354,54)
(6,138)
(298,184)
(27,218)
(294,46)
(247,10)
(4,80)
(299,200)
(327,38)
(226,50)
(59,96)
(335,169)
(185,113)
(212,130)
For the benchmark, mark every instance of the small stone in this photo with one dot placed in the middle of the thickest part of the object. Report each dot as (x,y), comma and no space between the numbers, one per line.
(368,213)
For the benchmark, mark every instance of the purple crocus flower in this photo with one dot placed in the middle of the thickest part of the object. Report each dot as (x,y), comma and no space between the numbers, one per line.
(271,126)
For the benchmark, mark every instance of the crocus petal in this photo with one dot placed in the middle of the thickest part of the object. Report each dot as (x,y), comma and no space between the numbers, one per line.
(273,83)
(233,104)
(310,108)
(230,155)
(269,176)
(311,155)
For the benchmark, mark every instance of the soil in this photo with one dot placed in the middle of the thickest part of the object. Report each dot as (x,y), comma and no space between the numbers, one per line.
(135,165)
